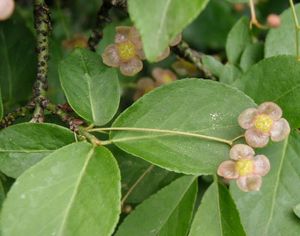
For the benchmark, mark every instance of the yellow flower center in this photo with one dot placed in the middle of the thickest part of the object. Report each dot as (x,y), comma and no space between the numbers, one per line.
(126,50)
(167,78)
(244,167)
(263,123)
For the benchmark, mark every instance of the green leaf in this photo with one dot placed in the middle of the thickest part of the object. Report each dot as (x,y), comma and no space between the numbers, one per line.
(91,88)
(297,210)
(18,61)
(270,210)
(230,74)
(1,105)
(237,40)
(282,40)
(23,145)
(193,106)
(252,54)
(152,178)
(217,214)
(161,21)
(238,1)
(168,212)
(74,191)
(276,79)
(213,65)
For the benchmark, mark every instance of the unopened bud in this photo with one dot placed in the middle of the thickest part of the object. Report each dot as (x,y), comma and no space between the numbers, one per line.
(273,21)
(6,9)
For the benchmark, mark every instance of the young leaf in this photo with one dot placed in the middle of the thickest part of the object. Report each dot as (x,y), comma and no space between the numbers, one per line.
(152,178)
(237,40)
(270,211)
(168,212)
(276,79)
(252,54)
(217,214)
(18,61)
(160,21)
(23,145)
(212,64)
(74,191)
(230,74)
(282,40)
(91,88)
(192,106)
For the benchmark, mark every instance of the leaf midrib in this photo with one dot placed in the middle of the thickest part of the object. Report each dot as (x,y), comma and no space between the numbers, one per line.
(76,189)
(276,187)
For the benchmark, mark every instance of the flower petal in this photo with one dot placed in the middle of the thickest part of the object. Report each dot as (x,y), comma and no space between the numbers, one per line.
(131,67)
(122,34)
(110,56)
(280,130)
(261,165)
(256,139)
(141,54)
(246,118)
(144,85)
(163,55)
(271,109)
(240,151)
(135,37)
(249,183)
(162,76)
(227,170)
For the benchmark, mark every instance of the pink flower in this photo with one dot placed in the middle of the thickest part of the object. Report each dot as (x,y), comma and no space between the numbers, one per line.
(6,9)
(143,86)
(262,123)
(163,76)
(126,52)
(246,168)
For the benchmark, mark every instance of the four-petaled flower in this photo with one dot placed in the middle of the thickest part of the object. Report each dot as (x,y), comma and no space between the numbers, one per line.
(262,123)
(246,168)
(126,52)
(143,86)
(163,76)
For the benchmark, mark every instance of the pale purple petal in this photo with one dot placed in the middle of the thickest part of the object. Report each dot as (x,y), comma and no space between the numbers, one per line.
(280,130)
(163,55)
(141,54)
(135,37)
(249,183)
(240,151)
(246,118)
(271,109)
(256,139)
(110,56)
(176,40)
(131,67)
(227,170)
(261,165)
(122,34)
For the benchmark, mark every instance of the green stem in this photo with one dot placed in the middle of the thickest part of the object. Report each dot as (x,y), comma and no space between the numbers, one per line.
(43,28)
(297,28)
(171,132)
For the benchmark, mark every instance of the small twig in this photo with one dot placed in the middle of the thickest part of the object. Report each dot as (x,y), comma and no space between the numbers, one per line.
(183,50)
(254,20)
(12,116)
(103,19)
(43,28)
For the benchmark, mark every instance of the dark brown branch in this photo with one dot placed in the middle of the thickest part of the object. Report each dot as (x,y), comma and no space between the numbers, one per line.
(183,50)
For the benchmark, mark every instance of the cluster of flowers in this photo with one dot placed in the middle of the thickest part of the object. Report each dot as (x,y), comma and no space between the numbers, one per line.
(127,51)
(261,124)
(6,9)
(146,84)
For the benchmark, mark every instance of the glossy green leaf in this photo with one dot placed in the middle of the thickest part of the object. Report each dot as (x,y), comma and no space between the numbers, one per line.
(168,212)
(276,79)
(230,74)
(150,178)
(186,106)
(18,61)
(237,40)
(160,21)
(213,65)
(297,210)
(217,214)
(74,191)
(270,210)
(92,89)
(282,40)
(23,145)
(252,54)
